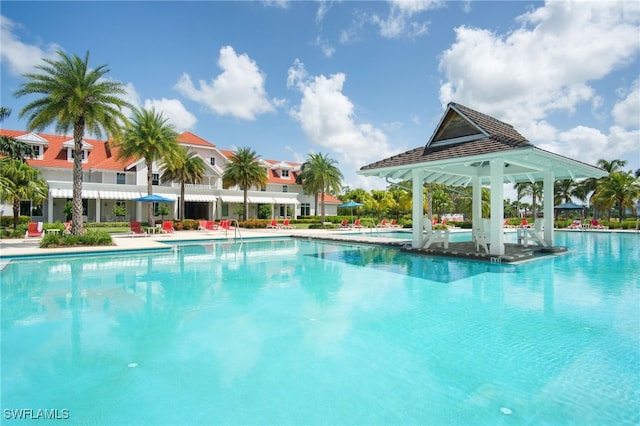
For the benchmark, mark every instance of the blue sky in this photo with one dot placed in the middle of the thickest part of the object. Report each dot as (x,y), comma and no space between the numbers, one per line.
(356,80)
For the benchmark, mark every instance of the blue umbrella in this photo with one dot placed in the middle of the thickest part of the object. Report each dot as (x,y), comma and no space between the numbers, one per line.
(351,204)
(154,198)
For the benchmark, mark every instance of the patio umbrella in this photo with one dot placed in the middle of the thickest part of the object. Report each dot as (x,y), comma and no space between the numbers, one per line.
(570,206)
(351,204)
(154,198)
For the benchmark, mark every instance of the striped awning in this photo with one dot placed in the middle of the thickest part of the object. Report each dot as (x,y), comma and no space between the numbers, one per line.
(68,193)
(119,195)
(280,200)
(232,199)
(200,197)
(261,200)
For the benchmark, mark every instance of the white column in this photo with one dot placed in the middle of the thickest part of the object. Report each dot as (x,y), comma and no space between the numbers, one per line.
(476,201)
(50,208)
(497,207)
(98,209)
(547,208)
(418,210)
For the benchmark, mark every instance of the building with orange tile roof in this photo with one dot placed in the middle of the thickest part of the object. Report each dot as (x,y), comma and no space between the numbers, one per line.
(109,181)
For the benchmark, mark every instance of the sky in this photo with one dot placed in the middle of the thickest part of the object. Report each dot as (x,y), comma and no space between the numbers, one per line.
(358,81)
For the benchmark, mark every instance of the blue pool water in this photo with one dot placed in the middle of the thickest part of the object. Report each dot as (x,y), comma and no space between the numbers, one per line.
(300,332)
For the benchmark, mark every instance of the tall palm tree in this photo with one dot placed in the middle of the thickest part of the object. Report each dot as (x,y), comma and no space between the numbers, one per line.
(619,189)
(185,167)
(534,189)
(11,147)
(19,181)
(149,136)
(75,97)
(245,170)
(319,175)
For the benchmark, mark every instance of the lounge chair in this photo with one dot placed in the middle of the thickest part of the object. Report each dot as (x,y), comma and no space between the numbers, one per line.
(481,235)
(394,224)
(286,224)
(207,225)
(382,224)
(67,228)
(507,225)
(356,224)
(434,236)
(595,224)
(532,234)
(167,227)
(273,224)
(524,223)
(344,224)
(575,225)
(225,224)
(136,229)
(34,230)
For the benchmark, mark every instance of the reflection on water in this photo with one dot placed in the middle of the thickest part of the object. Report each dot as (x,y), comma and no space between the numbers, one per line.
(224,333)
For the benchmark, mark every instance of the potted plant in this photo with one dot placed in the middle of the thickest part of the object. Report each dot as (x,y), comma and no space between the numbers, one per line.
(119,211)
(162,210)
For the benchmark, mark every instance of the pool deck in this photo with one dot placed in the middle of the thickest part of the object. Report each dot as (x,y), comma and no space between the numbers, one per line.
(15,248)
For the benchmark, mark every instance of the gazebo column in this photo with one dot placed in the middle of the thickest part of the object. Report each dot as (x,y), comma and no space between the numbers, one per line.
(547,183)
(497,207)
(476,202)
(50,208)
(417,210)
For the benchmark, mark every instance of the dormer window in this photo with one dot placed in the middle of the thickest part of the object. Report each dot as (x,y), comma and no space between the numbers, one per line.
(70,148)
(36,142)
(284,173)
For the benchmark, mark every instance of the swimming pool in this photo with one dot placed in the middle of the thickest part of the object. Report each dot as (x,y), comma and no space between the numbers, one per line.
(295,331)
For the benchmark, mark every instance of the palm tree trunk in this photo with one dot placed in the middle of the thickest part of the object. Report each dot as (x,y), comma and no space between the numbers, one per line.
(149,192)
(76,212)
(16,213)
(322,216)
(245,192)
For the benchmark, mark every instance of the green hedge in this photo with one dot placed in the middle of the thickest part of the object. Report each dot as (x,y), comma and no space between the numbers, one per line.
(93,237)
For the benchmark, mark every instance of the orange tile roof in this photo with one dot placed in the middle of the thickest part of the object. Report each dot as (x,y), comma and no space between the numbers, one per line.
(191,139)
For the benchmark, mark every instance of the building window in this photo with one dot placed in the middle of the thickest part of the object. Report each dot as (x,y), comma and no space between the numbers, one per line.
(224,210)
(282,210)
(285,173)
(305,209)
(121,178)
(212,161)
(285,188)
(37,149)
(155,179)
(73,155)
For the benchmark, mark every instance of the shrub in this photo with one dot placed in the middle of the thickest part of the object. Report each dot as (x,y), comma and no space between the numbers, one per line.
(93,237)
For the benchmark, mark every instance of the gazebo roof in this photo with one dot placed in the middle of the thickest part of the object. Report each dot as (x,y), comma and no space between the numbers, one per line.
(463,144)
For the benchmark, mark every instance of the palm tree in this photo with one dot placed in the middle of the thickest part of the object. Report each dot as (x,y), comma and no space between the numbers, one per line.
(620,189)
(19,181)
(534,189)
(185,167)
(245,170)
(151,137)
(11,147)
(76,97)
(319,175)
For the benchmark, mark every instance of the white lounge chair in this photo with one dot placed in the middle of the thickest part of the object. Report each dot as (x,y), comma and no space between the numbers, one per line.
(434,236)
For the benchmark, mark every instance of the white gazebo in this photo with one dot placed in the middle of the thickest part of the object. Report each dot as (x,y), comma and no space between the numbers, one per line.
(471,148)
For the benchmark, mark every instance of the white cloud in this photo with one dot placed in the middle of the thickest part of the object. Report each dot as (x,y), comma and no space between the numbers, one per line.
(324,45)
(400,22)
(174,112)
(238,91)
(19,57)
(328,120)
(626,113)
(544,66)
(547,66)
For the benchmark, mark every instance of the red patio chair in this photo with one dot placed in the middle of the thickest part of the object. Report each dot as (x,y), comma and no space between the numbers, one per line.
(34,230)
